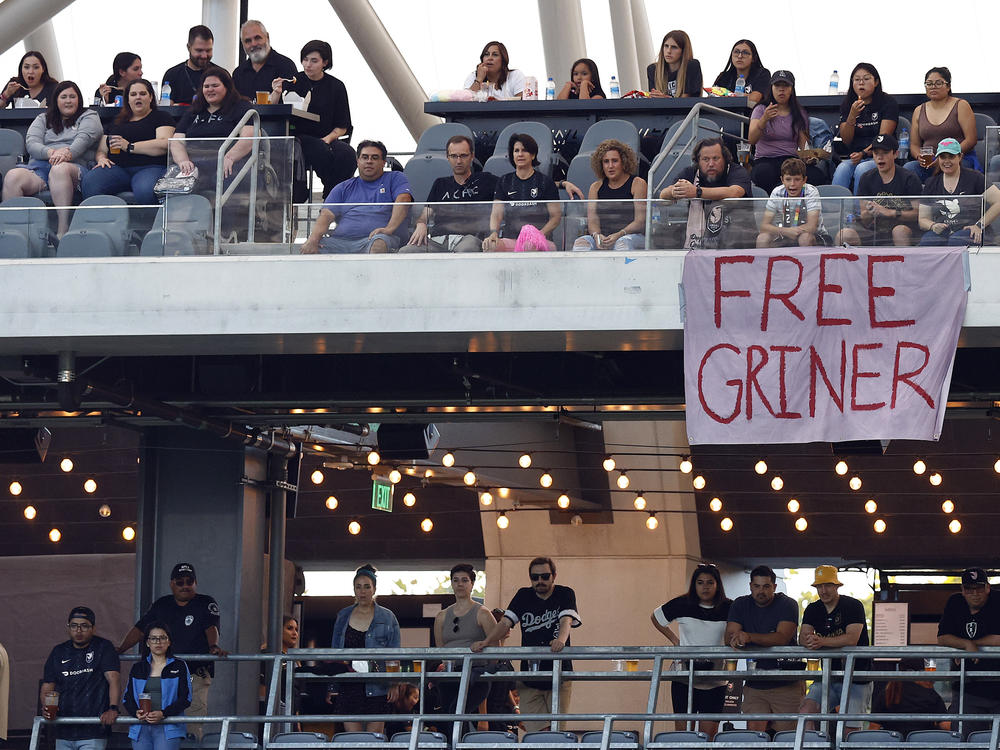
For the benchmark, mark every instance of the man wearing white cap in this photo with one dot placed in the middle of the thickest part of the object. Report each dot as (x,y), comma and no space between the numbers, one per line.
(836,621)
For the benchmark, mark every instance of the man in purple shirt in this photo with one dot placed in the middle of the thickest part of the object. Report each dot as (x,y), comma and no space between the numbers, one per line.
(363,228)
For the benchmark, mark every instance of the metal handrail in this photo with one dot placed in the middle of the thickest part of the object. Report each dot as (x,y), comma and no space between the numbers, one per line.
(251,164)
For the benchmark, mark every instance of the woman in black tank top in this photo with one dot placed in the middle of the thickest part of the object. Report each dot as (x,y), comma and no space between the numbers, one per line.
(616,203)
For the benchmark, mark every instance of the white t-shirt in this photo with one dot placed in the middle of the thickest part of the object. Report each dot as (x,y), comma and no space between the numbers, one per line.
(512,87)
(790,211)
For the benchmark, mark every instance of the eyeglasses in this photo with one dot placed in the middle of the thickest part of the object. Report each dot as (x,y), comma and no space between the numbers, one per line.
(742,53)
(158,639)
(539,576)
(459,156)
(371,157)
(79,626)
(863,79)
(934,84)
(454,623)
(184,581)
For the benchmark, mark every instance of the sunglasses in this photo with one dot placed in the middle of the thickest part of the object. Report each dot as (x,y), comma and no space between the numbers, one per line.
(184,581)
(454,624)
(539,576)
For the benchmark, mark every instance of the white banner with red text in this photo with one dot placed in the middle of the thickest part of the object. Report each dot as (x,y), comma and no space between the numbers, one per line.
(820,344)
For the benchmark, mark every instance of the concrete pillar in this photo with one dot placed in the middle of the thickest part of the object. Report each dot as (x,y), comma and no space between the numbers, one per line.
(629,71)
(386,62)
(18,18)
(645,50)
(620,571)
(563,41)
(199,503)
(43,39)
(223,18)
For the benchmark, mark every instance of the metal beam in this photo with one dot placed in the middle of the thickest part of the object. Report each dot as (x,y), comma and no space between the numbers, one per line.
(18,18)
(645,50)
(622,31)
(387,63)
(563,41)
(223,18)
(44,40)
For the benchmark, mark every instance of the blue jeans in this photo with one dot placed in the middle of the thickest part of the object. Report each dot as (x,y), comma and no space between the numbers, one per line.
(113,180)
(98,743)
(961,238)
(356,245)
(848,170)
(151,737)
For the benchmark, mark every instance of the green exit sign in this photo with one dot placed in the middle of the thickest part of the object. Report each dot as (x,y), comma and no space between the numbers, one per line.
(382,494)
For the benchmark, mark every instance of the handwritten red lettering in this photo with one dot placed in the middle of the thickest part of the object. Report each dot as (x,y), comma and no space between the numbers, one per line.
(857,374)
(784,297)
(825,288)
(816,365)
(720,293)
(905,377)
(752,384)
(783,413)
(882,291)
(737,383)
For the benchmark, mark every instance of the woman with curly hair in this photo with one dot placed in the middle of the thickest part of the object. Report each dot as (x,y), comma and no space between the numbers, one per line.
(616,208)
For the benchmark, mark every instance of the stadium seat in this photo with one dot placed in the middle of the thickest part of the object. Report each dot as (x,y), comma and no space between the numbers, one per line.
(488,738)
(880,736)
(346,740)
(933,737)
(665,739)
(24,228)
(241,740)
(188,221)
(835,211)
(434,140)
(622,740)
(11,148)
(602,130)
(810,738)
(425,740)
(741,736)
(499,164)
(421,171)
(298,739)
(99,229)
(983,121)
(549,738)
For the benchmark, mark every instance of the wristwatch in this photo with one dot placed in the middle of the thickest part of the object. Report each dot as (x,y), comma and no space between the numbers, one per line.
(130,148)
(697,192)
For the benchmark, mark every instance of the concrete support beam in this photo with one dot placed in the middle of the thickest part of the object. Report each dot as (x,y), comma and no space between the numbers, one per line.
(223,18)
(43,39)
(622,31)
(562,35)
(18,18)
(645,50)
(386,62)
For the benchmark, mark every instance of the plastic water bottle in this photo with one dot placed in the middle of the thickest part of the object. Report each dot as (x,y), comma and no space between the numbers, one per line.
(165,94)
(550,89)
(616,90)
(834,83)
(904,144)
(741,85)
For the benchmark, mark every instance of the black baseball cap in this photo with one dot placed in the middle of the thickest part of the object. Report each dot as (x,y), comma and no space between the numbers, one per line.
(85,613)
(182,570)
(783,76)
(885,142)
(974,577)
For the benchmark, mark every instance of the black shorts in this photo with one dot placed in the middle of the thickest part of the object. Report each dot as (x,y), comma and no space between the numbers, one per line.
(707,701)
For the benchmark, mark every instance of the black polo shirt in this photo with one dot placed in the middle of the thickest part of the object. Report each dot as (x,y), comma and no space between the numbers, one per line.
(187,624)
(249,81)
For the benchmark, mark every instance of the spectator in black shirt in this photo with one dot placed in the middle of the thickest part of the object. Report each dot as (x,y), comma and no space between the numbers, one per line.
(262,65)
(193,620)
(951,212)
(745,61)
(865,112)
(185,77)
(676,72)
(127,66)
(84,671)
(32,81)
(332,159)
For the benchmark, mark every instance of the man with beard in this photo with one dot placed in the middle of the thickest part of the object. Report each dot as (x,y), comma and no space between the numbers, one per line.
(546,613)
(713,177)
(263,64)
(185,78)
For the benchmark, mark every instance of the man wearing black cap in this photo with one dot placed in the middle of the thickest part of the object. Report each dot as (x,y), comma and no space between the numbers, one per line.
(970,620)
(194,629)
(83,671)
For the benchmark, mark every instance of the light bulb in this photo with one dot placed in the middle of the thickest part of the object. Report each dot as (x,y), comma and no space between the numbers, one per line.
(609,464)
(545,480)
(332,503)
(840,468)
(726,524)
(935,479)
(30,512)
(801,524)
(524,460)
(715,504)
(576,520)
(469,478)
(66,464)
(448,459)
(563,501)
(15,488)
(409,499)
(317,477)
(90,486)
(879,526)
(686,466)
(996,466)
(374,458)
(948,506)
(104,511)
(503,492)
(354,528)
(428,473)
(395,476)
(699,482)
(55,535)
(777,483)
(855,483)
(760,467)
(502,521)
(871,506)
(622,481)
(955,526)
(426,525)
(651,522)
(128,533)
(486,498)
(919,467)
(793,506)
(640,502)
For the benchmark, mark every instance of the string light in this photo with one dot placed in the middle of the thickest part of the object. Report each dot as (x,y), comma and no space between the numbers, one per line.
(66,465)
(563,501)
(935,479)
(317,477)
(686,466)
(955,526)
(104,511)
(854,483)
(503,492)
(623,481)
(354,528)
(777,483)
(760,467)
(652,522)
(871,506)
(524,461)
(30,512)
(996,466)
(448,459)
(469,478)
(15,488)
(374,458)
(801,524)
(948,506)
(426,525)
(879,526)
(715,504)
(55,535)
(502,521)
(699,482)
(486,498)
(428,473)
(793,506)
(545,480)
(332,503)
(919,467)
(726,524)
(409,499)
(90,486)
(395,476)
(640,502)
(841,467)
(609,464)
(128,533)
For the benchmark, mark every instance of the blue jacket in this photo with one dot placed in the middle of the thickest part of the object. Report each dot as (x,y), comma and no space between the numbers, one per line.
(175,686)
(382,633)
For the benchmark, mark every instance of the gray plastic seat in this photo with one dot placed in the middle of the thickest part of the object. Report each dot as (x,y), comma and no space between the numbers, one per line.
(491,737)
(434,140)
(188,225)
(702,128)
(602,130)
(663,739)
(981,737)
(810,738)
(624,740)
(300,739)
(425,739)
(983,121)
(499,164)
(881,736)
(357,739)
(99,229)
(242,740)
(933,737)
(421,171)
(24,228)
(550,738)
(835,211)
(11,148)
(742,736)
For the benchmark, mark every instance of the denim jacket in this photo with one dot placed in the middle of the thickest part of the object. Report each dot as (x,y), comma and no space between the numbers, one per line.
(382,633)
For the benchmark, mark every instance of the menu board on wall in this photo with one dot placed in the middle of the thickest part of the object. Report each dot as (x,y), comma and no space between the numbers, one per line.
(890,623)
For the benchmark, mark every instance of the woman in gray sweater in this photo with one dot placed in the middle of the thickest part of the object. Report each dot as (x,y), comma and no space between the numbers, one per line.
(61,143)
